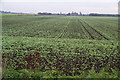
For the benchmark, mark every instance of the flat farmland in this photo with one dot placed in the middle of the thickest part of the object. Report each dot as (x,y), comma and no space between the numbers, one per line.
(98,28)
(60,47)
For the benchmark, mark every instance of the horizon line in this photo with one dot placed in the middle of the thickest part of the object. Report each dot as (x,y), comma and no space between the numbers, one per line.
(55,12)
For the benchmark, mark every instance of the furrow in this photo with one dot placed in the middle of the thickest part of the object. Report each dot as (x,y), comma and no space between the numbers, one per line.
(95,30)
(86,30)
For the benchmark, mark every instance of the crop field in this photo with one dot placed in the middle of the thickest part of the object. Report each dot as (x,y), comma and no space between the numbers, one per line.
(60,47)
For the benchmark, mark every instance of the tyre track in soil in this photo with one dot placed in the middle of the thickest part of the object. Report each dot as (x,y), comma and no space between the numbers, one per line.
(63,33)
(94,30)
(86,30)
(75,28)
(82,31)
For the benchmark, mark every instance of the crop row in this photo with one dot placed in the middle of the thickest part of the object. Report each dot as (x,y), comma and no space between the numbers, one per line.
(68,56)
(58,27)
(106,26)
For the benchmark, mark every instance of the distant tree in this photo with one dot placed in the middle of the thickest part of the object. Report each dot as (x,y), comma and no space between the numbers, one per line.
(95,14)
(80,14)
(68,14)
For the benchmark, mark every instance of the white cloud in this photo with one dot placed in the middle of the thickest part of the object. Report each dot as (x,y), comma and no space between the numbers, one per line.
(34,7)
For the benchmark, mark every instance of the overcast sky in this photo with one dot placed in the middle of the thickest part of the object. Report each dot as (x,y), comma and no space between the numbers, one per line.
(65,6)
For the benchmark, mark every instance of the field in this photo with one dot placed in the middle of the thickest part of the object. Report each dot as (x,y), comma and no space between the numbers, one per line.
(60,47)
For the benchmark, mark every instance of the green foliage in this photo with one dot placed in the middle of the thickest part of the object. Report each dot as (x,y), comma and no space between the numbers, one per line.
(61,57)
(61,27)
(60,47)
(9,73)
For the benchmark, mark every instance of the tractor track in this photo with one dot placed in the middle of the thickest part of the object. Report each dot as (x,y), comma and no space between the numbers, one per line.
(94,30)
(86,30)
(61,35)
